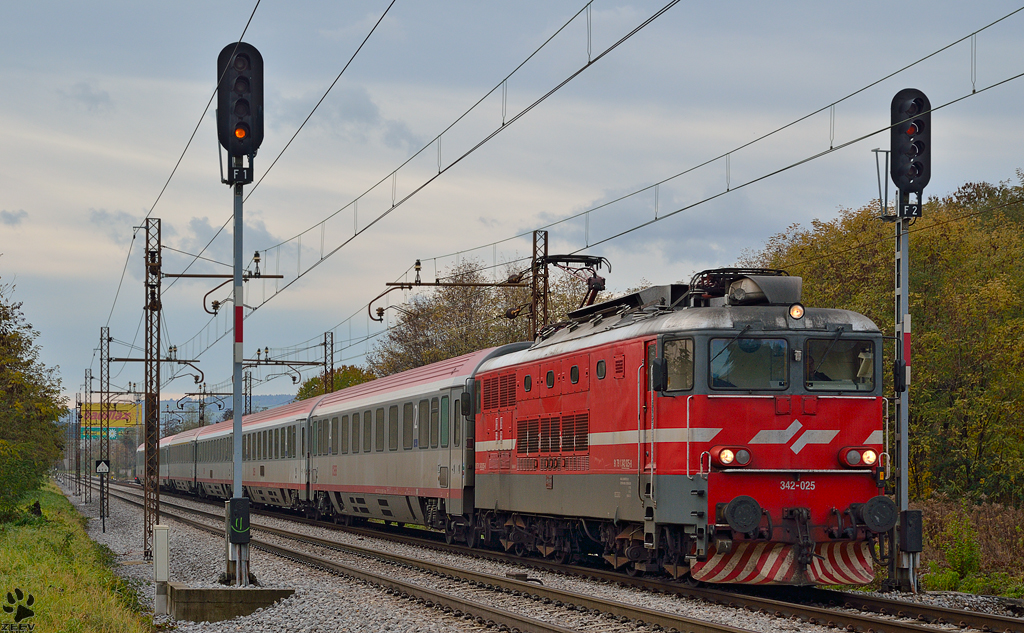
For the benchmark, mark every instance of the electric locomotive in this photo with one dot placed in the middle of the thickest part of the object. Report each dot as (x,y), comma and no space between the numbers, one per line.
(717,429)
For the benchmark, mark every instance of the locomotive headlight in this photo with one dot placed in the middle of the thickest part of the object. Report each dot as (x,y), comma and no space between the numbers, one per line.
(858,457)
(730,456)
(796,311)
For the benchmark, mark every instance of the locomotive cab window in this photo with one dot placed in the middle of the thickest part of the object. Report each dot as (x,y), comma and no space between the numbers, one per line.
(678,355)
(836,365)
(748,363)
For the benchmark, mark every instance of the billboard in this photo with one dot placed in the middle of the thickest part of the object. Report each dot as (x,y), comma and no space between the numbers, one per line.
(122,415)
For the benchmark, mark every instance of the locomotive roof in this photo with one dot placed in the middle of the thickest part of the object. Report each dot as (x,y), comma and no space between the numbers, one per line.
(644,323)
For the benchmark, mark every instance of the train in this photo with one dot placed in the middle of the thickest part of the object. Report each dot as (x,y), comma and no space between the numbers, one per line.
(716,431)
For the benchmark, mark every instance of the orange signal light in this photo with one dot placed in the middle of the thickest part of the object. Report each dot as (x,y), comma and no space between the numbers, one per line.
(240,132)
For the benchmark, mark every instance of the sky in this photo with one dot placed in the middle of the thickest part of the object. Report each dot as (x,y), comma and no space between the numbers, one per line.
(102,99)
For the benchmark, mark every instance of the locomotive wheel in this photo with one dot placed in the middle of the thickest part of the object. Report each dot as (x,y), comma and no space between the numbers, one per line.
(632,571)
(519,550)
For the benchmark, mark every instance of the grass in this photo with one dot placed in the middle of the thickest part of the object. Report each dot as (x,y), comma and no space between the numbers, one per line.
(68,575)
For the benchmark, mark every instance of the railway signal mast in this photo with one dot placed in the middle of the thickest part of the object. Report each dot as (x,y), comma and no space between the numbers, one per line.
(240,131)
(910,136)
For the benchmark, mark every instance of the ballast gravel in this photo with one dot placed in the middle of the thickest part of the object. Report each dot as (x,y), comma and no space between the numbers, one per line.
(325,602)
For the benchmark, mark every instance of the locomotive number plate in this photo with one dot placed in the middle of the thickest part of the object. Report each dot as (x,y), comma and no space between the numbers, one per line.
(807,484)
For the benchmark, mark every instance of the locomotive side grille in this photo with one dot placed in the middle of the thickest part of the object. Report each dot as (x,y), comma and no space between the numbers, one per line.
(490,395)
(583,432)
(549,439)
(575,432)
(499,392)
(620,366)
(527,436)
(507,391)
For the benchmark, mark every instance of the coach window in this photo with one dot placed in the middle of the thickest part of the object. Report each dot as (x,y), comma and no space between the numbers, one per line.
(344,435)
(407,425)
(457,422)
(602,370)
(304,453)
(444,421)
(678,355)
(325,439)
(334,436)
(277,443)
(355,432)
(550,379)
(527,382)
(574,374)
(379,443)
(314,438)
(367,431)
(291,442)
(393,428)
(433,423)
(424,416)
(752,364)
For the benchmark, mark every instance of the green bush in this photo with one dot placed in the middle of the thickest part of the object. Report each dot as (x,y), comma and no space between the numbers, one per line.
(20,476)
(959,544)
(941,579)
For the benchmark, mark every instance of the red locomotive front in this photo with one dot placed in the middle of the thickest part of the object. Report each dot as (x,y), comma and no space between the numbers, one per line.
(717,430)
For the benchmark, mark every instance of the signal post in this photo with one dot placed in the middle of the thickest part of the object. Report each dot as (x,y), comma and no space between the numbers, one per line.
(240,131)
(910,146)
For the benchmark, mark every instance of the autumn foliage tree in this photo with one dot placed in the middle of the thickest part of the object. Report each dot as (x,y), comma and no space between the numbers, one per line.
(451,321)
(30,405)
(344,376)
(967,305)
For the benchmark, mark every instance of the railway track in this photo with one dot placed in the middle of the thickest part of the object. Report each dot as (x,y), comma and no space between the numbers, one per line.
(876,614)
(588,613)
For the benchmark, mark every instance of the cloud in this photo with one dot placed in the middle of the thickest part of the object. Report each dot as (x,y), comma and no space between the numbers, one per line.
(348,113)
(12,218)
(94,100)
(117,226)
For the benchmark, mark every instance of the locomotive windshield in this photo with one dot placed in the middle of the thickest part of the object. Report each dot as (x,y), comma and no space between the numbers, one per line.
(837,365)
(749,363)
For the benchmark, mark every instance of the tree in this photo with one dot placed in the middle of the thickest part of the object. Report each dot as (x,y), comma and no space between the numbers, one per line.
(967,302)
(30,405)
(344,376)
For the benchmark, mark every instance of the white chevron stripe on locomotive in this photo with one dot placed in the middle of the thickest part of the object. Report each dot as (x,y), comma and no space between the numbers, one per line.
(783,436)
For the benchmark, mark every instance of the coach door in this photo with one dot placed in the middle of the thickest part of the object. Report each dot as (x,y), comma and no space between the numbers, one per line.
(304,438)
(451,440)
